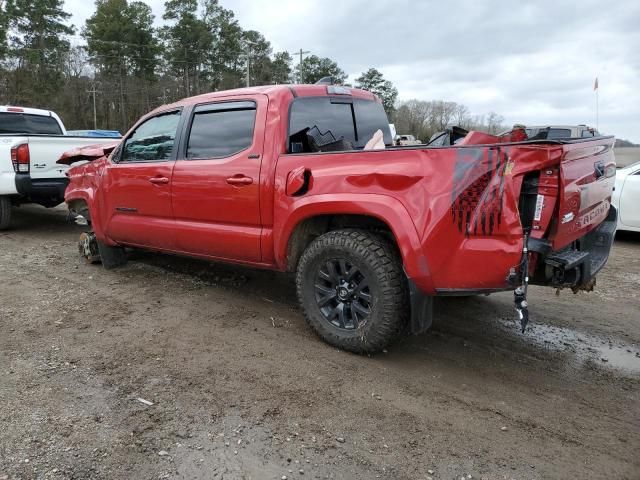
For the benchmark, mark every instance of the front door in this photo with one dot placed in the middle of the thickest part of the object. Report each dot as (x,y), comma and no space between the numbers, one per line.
(137,185)
(216,180)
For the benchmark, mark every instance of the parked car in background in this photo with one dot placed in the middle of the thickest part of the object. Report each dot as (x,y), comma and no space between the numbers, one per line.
(95,133)
(305,179)
(31,141)
(407,140)
(555,132)
(626,197)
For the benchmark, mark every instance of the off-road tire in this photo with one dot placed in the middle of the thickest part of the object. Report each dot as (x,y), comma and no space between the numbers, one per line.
(380,264)
(111,257)
(5,212)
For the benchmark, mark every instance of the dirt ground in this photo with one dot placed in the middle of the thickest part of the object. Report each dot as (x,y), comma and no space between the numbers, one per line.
(241,388)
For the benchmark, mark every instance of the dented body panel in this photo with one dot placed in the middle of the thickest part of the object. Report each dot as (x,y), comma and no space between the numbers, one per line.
(458,214)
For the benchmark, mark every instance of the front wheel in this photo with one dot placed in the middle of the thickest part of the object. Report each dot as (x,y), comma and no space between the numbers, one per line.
(95,251)
(352,290)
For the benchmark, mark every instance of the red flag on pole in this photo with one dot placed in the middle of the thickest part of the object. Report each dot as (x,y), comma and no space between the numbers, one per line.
(595,85)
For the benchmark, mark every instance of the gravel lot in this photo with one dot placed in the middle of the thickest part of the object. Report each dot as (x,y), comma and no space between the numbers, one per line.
(240,387)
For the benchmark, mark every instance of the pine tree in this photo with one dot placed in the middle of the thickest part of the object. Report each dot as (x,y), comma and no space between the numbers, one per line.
(373,81)
(314,68)
(37,42)
(281,68)
(188,41)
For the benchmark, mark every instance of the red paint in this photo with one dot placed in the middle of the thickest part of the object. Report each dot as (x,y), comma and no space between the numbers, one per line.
(453,211)
(91,152)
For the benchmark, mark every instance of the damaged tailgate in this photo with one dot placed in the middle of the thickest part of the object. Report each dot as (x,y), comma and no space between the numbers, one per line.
(587,177)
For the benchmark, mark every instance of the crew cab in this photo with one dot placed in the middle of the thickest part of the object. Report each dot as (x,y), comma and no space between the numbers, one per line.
(31,141)
(306,179)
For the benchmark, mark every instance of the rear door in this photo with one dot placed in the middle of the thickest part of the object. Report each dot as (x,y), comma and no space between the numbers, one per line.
(587,177)
(137,185)
(216,187)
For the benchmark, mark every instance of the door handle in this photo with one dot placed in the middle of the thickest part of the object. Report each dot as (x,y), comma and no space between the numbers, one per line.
(159,180)
(239,180)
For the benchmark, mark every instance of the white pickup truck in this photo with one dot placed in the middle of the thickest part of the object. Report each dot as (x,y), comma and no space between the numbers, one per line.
(31,141)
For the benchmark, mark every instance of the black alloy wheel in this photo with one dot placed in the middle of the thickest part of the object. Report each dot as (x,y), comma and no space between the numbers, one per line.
(343,294)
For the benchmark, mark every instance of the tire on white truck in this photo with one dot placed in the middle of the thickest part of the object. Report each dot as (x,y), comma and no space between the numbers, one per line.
(5,212)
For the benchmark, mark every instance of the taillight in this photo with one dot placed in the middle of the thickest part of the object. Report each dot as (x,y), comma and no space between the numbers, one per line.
(20,158)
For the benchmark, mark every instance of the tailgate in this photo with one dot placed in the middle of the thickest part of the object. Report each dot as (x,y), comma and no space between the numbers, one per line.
(587,177)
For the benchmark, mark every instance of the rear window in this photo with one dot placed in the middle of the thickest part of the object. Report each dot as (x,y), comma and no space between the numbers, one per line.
(29,124)
(588,134)
(221,130)
(349,123)
(556,133)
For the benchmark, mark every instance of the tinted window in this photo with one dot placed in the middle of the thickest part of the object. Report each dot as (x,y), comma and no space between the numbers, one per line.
(370,116)
(330,118)
(221,130)
(152,140)
(336,118)
(31,124)
(555,133)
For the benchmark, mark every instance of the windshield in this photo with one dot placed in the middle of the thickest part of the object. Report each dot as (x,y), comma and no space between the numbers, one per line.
(29,124)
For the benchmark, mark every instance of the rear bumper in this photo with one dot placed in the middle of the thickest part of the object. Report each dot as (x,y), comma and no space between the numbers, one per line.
(8,183)
(576,266)
(48,192)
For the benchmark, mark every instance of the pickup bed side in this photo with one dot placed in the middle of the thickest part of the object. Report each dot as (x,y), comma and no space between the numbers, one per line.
(449,208)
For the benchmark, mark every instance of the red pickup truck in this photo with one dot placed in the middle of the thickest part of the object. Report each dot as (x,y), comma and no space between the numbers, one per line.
(286,178)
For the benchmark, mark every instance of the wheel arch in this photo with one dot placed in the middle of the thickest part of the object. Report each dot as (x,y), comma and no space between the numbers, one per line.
(82,202)
(315,215)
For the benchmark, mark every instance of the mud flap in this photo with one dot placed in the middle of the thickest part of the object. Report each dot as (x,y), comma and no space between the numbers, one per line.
(421,310)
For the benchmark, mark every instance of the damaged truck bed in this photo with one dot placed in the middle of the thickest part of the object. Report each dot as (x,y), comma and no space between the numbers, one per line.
(305,179)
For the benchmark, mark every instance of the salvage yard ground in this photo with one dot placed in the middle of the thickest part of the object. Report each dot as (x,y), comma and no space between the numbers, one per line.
(241,388)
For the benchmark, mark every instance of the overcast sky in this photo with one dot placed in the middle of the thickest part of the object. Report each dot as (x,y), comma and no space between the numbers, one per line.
(532,62)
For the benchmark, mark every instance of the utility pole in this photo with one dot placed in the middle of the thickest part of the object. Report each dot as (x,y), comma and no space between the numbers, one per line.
(164,97)
(93,92)
(186,72)
(301,53)
(247,53)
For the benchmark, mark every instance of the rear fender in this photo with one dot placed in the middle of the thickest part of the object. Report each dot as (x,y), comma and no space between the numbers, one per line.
(385,208)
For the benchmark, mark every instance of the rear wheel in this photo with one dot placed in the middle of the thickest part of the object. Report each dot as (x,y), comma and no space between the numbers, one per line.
(5,212)
(352,290)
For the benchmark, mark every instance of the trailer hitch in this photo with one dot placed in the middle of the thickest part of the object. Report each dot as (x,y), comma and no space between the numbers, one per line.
(520,293)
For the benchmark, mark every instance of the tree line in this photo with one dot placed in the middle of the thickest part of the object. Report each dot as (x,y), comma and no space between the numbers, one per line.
(425,118)
(120,64)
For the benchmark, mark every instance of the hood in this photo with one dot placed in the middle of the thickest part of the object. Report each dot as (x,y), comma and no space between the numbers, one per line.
(88,153)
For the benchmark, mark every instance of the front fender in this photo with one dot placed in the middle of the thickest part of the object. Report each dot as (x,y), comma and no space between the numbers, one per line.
(385,208)
(83,185)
